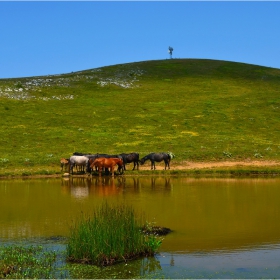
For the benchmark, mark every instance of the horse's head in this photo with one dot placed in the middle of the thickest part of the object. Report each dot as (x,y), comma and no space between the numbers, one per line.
(89,168)
(120,166)
(92,163)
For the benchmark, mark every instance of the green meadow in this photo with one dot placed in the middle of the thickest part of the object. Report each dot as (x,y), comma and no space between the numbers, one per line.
(200,110)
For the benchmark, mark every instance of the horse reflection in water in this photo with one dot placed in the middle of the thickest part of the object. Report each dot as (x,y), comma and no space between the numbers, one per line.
(106,186)
(166,182)
(84,187)
(78,187)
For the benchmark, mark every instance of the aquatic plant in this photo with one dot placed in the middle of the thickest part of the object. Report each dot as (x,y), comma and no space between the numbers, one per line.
(150,228)
(18,262)
(112,234)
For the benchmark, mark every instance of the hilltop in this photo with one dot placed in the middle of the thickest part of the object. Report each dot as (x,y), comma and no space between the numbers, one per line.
(201,110)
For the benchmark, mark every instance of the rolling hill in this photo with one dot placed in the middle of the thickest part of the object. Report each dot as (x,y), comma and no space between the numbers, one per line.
(201,110)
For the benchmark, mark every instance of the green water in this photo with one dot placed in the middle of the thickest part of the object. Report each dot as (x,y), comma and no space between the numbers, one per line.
(222,228)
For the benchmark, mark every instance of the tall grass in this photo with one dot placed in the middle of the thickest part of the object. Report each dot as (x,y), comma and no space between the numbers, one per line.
(111,235)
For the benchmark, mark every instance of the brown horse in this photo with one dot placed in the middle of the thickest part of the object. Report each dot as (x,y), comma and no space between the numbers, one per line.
(64,163)
(102,162)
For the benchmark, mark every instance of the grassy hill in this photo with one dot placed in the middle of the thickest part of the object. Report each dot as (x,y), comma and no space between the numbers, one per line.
(197,109)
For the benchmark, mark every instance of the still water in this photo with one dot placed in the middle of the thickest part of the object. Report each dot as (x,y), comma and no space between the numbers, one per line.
(221,228)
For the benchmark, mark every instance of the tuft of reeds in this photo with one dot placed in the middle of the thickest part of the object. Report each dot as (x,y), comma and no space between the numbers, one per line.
(112,234)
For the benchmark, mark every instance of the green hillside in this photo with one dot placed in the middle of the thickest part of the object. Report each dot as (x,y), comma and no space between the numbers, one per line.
(197,109)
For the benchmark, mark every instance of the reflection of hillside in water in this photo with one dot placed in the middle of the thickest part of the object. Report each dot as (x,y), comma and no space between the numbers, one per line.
(106,186)
(204,214)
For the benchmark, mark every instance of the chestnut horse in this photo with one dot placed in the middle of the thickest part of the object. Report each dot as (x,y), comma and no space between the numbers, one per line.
(103,162)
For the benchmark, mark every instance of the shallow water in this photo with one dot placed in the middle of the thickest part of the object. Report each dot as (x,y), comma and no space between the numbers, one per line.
(222,228)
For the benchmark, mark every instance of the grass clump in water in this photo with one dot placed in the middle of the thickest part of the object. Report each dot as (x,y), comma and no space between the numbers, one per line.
(112,235)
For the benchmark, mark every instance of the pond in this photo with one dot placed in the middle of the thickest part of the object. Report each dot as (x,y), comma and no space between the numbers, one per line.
(221,228)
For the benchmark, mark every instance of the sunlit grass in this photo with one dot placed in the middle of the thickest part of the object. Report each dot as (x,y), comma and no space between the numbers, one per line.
(198,109)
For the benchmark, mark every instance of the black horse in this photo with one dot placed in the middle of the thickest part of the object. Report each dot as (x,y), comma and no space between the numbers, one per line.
(157,157)
(128,158)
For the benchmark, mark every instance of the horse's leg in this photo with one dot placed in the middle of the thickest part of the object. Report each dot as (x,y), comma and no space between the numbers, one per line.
(167,164)
(135,163)
(89,170)
(112,170)
(123,166)
(71,166)
(120,169)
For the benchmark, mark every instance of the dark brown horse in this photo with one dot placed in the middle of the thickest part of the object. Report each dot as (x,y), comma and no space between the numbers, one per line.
(157,157)
(103,162)
(128,158)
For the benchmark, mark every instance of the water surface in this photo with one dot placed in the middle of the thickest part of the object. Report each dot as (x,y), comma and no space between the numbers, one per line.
(222,228)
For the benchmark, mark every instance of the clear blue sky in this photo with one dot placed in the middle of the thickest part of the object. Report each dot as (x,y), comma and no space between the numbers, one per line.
(42,38)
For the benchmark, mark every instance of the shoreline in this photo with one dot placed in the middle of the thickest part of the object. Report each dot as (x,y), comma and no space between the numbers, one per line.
(188,168)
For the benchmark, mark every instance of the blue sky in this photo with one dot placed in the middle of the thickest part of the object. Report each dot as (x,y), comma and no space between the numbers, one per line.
(45,38)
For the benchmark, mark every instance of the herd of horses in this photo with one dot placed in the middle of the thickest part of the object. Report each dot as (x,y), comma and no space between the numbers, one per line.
(104,162)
